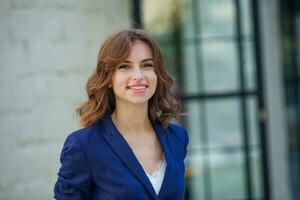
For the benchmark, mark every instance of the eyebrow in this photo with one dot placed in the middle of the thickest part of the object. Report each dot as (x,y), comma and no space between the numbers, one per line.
(145,60)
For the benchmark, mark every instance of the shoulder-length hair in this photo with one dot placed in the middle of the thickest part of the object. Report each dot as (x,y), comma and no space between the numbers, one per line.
(163,105)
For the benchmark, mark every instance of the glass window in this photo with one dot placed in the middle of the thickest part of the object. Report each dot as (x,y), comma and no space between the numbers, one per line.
(252,121)
(223,122)
(227,171)
(246,17)
(196,172)
(193,110)
(191,69)
(249,64)
(219,66)
(187,21)
(256,173)
(200,43)
(217,18)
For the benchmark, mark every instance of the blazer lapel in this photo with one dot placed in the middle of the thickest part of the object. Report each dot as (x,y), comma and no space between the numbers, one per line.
(125,153)
(169,173)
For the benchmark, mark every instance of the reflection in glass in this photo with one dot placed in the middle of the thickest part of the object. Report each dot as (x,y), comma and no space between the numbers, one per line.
(246,17)
(256,173)
(155,11)
(223,122)
(217,18)
(227,172)
(195,175)
(193,110)
(251,104)
(187,22)
(169,53)
(192,85)
(249,65)
(220,66)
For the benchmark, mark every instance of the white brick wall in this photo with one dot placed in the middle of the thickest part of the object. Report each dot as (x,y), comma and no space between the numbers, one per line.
(48,48)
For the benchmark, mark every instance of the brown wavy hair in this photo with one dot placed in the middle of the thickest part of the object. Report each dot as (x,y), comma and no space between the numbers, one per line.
(163,105)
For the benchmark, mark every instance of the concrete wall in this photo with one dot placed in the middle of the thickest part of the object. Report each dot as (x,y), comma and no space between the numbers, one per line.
(48,48)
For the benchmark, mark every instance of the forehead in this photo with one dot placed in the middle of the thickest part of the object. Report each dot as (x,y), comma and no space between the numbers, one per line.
(139,50)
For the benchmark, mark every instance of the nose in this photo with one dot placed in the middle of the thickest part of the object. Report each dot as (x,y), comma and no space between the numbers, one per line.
(138,74)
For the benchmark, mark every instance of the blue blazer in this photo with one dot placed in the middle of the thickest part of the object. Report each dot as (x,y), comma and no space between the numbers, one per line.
(98,164)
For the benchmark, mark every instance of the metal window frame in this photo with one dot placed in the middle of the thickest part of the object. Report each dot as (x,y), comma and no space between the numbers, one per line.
(243,94)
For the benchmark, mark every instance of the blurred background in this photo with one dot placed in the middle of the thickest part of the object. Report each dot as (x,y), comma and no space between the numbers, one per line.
(237,70)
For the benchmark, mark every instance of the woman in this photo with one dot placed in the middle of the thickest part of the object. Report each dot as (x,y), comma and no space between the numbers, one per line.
(128,149)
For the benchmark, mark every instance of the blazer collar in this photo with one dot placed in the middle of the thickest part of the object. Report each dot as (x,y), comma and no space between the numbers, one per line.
(120,146)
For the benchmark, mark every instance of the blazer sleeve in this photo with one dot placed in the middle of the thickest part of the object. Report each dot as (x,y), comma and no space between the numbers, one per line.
(74,176)
(182,135)
(186,142)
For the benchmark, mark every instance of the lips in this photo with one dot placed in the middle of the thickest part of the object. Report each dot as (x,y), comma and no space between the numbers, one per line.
(138,88)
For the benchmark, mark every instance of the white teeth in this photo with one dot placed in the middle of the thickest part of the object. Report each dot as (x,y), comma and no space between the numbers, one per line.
(138,87)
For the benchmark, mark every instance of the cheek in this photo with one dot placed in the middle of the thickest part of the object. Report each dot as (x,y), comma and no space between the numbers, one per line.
(118,82)
(153,77)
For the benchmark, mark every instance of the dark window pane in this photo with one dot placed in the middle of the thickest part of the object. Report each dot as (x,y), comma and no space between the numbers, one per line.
(169,51)
(297,38)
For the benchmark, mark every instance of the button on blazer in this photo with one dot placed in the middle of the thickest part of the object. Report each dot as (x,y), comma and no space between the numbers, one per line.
(98,164)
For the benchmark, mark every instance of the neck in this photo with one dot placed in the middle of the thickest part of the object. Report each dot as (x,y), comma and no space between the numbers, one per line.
(132,119)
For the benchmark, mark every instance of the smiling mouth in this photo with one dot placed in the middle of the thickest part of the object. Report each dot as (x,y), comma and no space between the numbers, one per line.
(138,89)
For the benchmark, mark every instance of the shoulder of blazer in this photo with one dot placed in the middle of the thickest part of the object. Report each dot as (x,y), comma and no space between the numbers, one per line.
(86,135)
(179,132)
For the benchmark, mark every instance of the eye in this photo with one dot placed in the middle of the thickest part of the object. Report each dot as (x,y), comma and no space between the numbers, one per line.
(123,66)
(148,65)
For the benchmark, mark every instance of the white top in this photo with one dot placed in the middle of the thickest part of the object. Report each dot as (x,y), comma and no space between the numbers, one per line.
(157,177)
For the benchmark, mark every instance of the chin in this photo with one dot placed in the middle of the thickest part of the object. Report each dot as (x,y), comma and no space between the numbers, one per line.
(138,101)
(135,99)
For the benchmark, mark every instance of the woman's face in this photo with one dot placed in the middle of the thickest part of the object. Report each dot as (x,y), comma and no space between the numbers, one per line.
(134,80)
